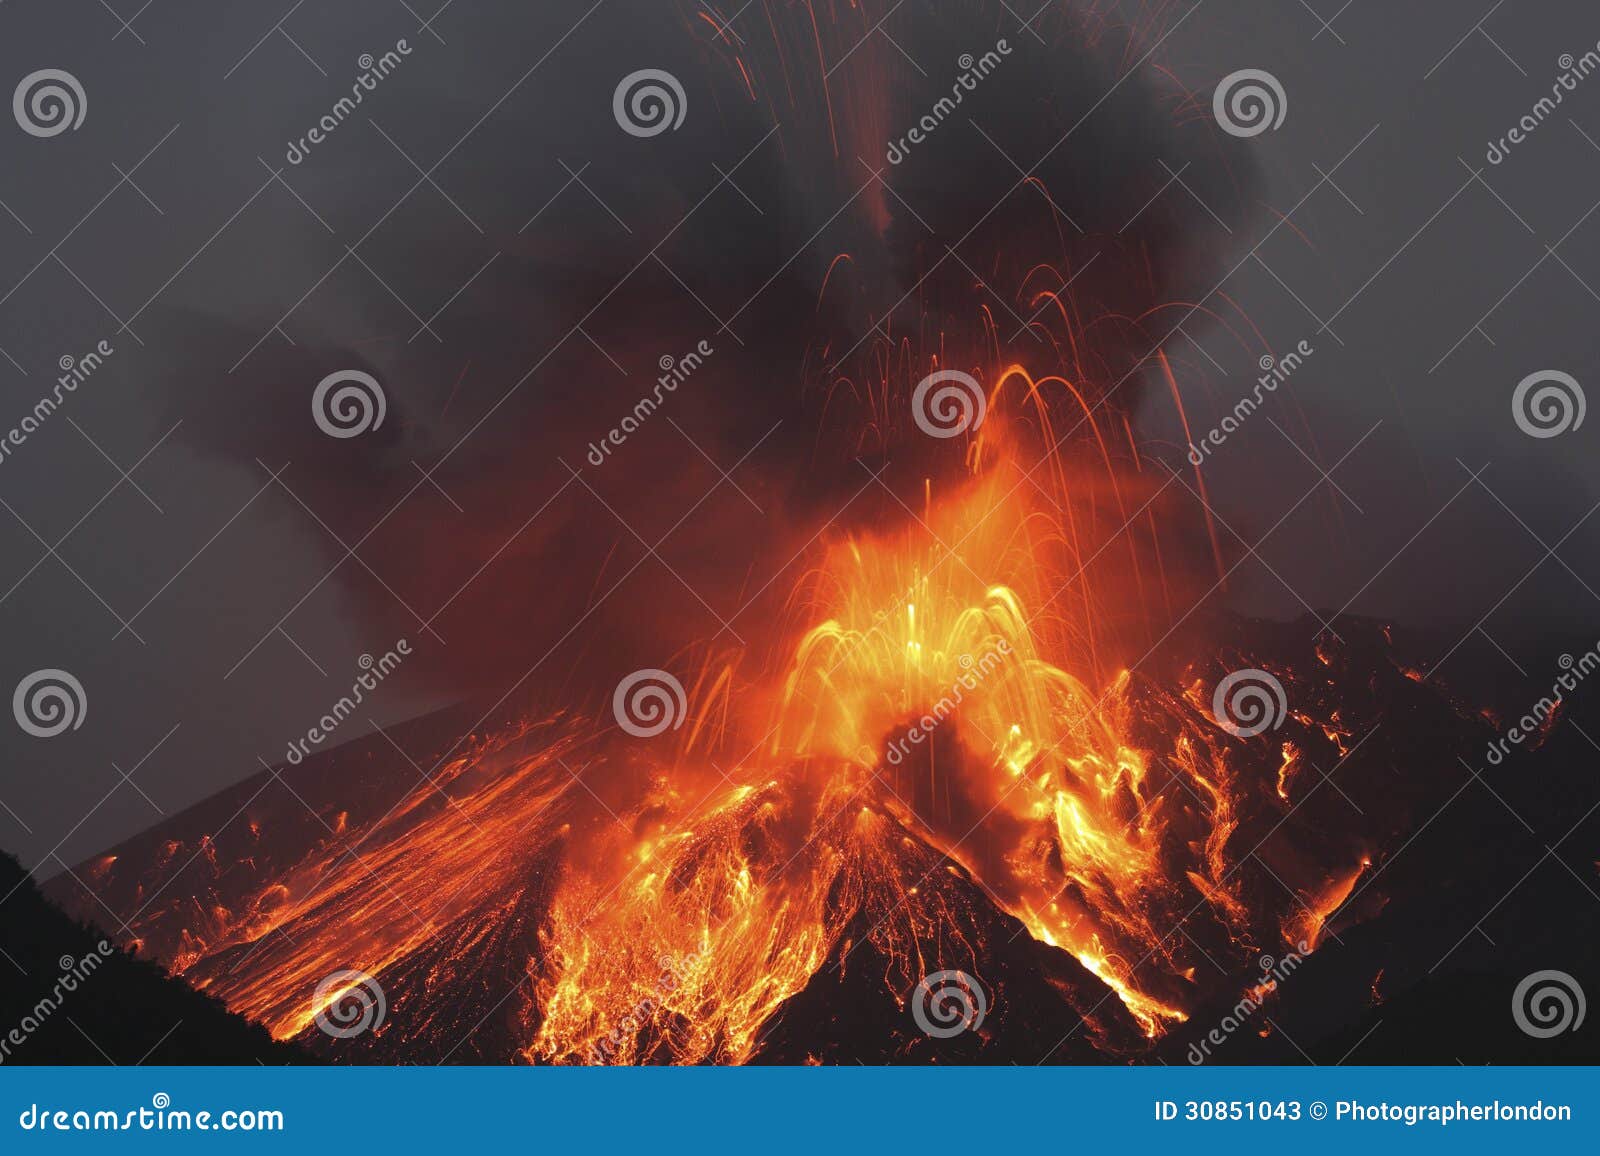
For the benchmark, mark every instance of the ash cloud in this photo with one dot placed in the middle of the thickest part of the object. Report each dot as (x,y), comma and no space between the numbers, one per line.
(504,557)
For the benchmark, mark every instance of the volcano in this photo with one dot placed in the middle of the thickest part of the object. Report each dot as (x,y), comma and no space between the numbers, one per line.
(544,891)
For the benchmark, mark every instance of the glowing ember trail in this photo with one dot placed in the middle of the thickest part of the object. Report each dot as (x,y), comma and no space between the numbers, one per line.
(452,846)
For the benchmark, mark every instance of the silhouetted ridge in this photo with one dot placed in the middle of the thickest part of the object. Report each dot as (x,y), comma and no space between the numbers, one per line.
(71,996)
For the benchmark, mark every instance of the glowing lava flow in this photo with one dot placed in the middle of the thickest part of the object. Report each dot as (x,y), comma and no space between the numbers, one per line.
(1047,801)
(927,724)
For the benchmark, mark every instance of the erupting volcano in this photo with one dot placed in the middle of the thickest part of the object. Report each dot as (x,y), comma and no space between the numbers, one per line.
(941,775)
(972,735)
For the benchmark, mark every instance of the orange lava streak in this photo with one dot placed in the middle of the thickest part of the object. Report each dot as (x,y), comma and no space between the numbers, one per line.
(1311,921)
(369,898)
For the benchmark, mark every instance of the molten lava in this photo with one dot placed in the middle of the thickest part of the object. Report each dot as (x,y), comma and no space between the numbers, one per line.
(936,736)
(940,712)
